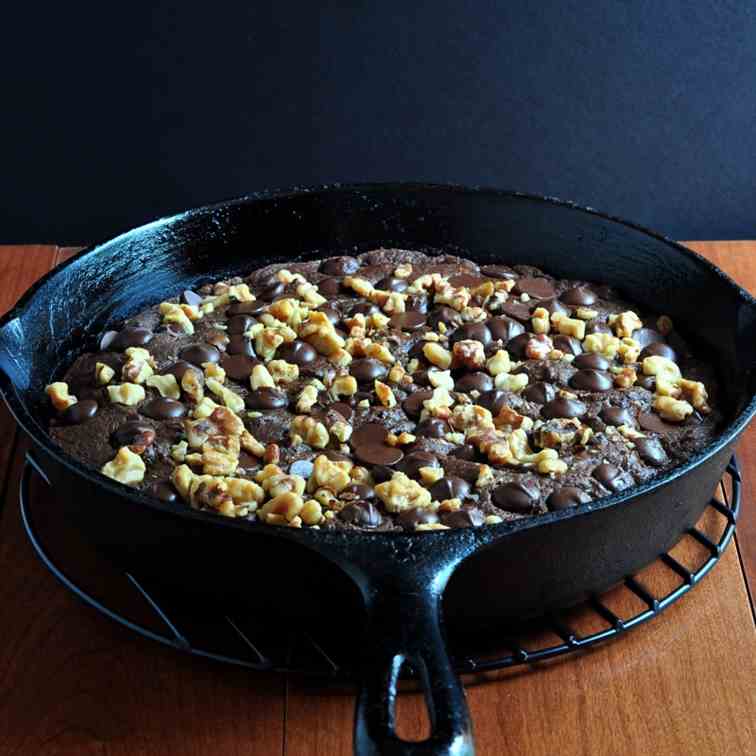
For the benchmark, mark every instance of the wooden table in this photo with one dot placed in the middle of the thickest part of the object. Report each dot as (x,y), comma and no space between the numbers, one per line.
(72,682)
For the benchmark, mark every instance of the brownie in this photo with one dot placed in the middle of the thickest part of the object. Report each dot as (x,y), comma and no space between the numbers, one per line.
(395,390)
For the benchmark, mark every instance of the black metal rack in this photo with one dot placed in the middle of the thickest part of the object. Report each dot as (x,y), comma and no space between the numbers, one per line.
(264,645)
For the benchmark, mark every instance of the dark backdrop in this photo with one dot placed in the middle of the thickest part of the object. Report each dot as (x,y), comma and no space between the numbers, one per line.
(113,114)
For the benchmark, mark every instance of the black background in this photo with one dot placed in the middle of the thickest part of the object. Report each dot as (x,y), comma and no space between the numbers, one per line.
(114,114)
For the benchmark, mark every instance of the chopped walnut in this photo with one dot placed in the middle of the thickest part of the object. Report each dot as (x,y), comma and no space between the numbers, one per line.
(511,382)
(192,385)
(467,417)
(539,347)
(540,320)
(179,451)
(569,326)
(508,417)
(167,385)
(384,394)
(129,394)
(441,379)
(557,433)
(360,285)
(59,396)
(439,403)
(205,408)
(624,377)
(499,363)
(468,353)
(665,325)
(214,370)
(403,270)
(288,505)
(103,374)
(437,355)
(309,294)
(586,313)
(220,455)
(429,475)
(266,342)
(345,385)
(126,467)
(261,378)
(312,512)
(695,392)
(174,314)
(671,409)
(625,323)
(229,398)
(308,398)
(282,371)
(602,343)
(402,493)
(329,474)
(310,431)
(379,352)
(629,350)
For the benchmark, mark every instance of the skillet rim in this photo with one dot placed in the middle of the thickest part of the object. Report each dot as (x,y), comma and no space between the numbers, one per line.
(41,438)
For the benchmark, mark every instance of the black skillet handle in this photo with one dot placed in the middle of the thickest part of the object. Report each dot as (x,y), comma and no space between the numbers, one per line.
(404,625)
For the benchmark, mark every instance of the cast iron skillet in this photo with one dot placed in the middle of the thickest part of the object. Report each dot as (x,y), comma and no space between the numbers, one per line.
(397,590)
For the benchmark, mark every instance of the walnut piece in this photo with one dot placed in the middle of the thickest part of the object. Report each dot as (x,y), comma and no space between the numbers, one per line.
(384,394)
(329,474)
(59,396)
(103,374)
(126,467)
(674,410)
(402,493)
(468,353)
(602,343)
(129,394)
(437,355)
(499,363)
(167,385)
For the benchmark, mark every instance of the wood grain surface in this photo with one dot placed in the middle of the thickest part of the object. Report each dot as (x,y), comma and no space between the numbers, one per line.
(72,682)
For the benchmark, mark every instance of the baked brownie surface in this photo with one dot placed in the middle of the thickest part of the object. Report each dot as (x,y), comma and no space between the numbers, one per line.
(393,390)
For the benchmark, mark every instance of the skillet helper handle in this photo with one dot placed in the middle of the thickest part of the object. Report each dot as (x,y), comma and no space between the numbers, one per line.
(404,625)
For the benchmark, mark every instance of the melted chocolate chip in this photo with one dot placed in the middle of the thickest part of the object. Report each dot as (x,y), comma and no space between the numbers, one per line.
(539,392)
(240,324)
(297,352)
(466,452)
(163,408)
(471,331)
(163,490)
(378,454)
(536,288)
(470,517)
(432,427)
(445,315)
(617,416)
(517,310)
(567,344)
(180,367)
(580,296)
(474,382)
(339,266)
(238,366)
(450,487)
(329,287)
(408,321)
(363,514)
(651,451)
(364,308)
(498,271)
(647,382)
(118,341)
(493,401)
(381,473)
(517,346)
(366,370)
(343,409)
(79,413)
(553,306)
(410,518)
(391,283)
(370,433)
(652,422)
(562,407)
(198,354)
(245,308)
(504,329)
(591,380)
(271,289)
(611,477)
(596,326)
(358,491)
(413,404)
(646,336)
(516,497)
(239,344)
(566,497)
(657,349)
(266,399)
(591,361)
(413,462)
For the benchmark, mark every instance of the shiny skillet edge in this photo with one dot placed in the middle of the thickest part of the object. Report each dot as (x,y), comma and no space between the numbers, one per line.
(483,534)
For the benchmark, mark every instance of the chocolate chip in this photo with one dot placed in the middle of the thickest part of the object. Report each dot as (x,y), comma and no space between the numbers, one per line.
(180,367)
(239,344)
(646,336)
(652,422)
(335,456)
(466,280)
(539,392)
(413,462)
(517,310)
(266,399)
(413,404)
(651,451)
(343,409)
(567,344)
(647,382)
(392,284)
(580,296)
(470,517)
(562,407)
(198,354)
(271,289)
(381,473)
(357,491)
(611,477)
(370,433)
(450,487)
(566,497)
(339,266)
(596,326)
(474,382)
(164,491)
(216,338)
(297,352)
(302,467)
(240,324)
(408,321)
(79,413)
(504,329)
(493,401)
(163,408)
(329,287)
(238,366)
(591,361)
(657,349)
(591,380)
(378,454)
(498,271)
(553,306)
(516,497)
(117,341)
(132,433)
(471,331)
(410,518)
(366,370)
(517,346)
(416,302)
(362,514)
(245,308)
(432,427)
(536,288)
(445,315)
(191,297)
(466,452)
(617,416)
